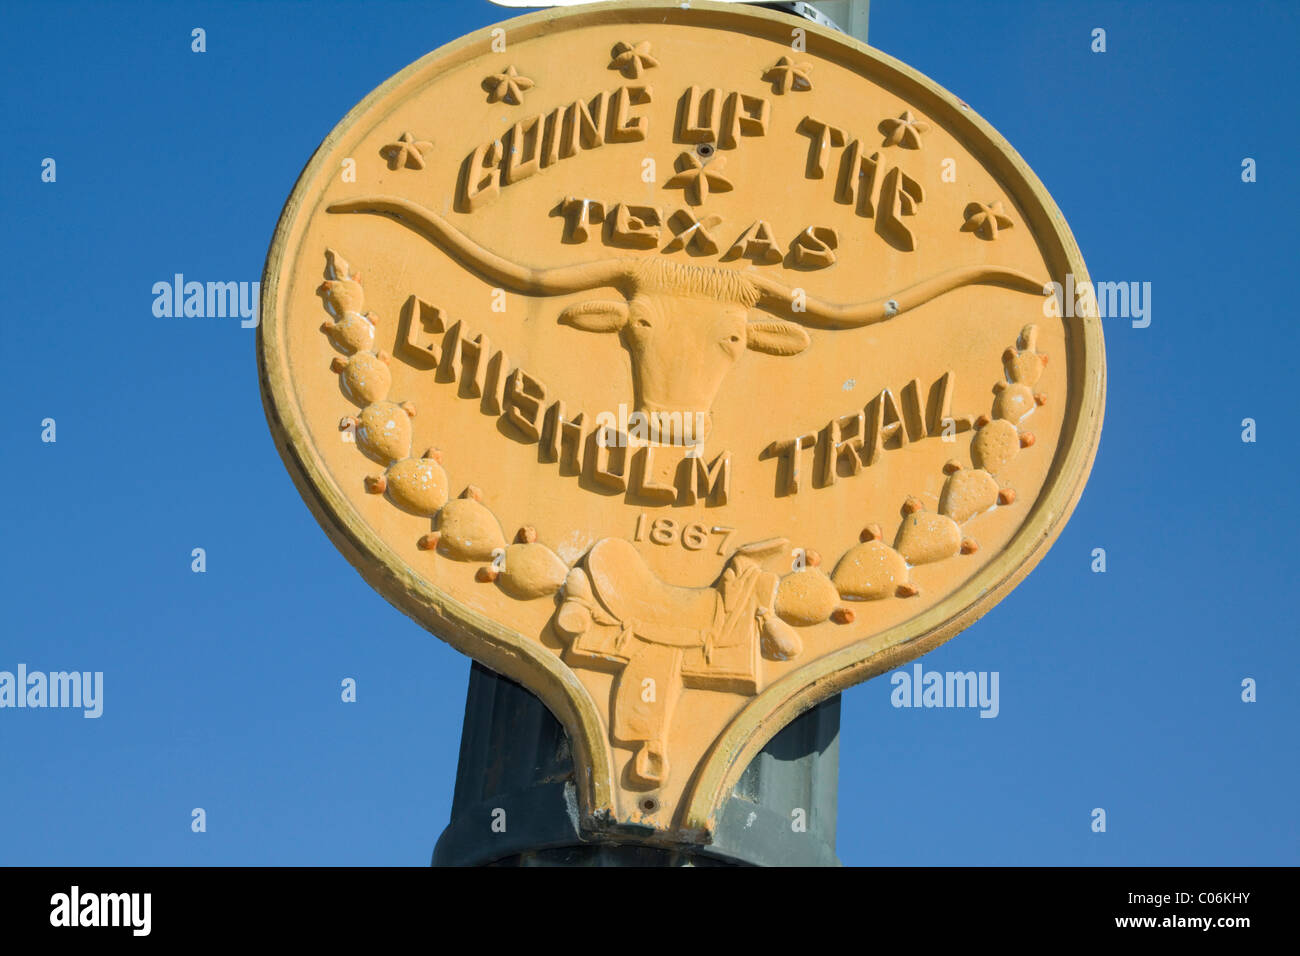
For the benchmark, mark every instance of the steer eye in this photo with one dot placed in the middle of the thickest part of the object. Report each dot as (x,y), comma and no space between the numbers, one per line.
(643,323)
(734,339)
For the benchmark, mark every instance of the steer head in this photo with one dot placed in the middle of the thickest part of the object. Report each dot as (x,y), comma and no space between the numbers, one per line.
(683,325)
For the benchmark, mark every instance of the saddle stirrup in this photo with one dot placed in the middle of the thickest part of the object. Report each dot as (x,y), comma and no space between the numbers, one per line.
(652,762)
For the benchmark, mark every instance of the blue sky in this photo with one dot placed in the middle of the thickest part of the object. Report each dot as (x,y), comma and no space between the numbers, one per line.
(1119,690)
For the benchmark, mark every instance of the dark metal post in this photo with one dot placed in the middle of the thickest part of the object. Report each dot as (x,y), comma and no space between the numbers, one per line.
(516,767)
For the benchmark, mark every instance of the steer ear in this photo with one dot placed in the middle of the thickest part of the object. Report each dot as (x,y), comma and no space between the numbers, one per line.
(596,316)
(776,337)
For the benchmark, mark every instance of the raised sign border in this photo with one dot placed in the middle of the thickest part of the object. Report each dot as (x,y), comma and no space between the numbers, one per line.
(530,663)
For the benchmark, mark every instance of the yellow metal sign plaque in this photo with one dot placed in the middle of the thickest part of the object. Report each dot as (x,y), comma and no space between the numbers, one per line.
(682,362)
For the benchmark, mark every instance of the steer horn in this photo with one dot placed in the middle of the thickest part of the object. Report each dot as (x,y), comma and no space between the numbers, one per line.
(621,273)
(854,314)
(557,281)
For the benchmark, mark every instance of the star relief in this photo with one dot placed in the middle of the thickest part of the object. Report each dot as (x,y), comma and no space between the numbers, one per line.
(786,75)
(985,219)
(407,151)
(507,87)
(632,60)
(696,178)
(905,131)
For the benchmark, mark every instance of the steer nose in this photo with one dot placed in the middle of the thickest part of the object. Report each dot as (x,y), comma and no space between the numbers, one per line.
(677,426)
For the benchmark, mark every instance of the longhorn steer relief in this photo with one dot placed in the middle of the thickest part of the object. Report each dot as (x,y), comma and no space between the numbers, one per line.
(683,325)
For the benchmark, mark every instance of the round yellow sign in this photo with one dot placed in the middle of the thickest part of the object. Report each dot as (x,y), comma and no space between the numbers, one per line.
(683,362)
